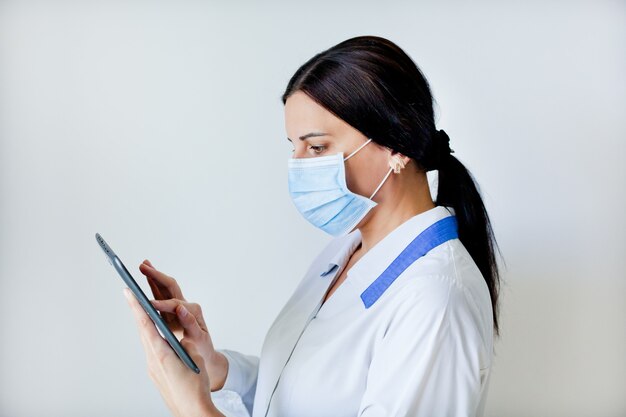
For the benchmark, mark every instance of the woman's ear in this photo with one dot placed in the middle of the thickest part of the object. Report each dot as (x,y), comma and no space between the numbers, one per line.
(397,161)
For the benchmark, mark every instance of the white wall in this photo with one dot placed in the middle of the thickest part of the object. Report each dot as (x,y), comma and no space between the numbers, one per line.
(160,126)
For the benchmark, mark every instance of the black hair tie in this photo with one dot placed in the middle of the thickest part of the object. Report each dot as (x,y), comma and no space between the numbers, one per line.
(443,143)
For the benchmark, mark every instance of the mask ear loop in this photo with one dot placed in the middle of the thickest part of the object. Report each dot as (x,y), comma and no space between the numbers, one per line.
(381,184)
(357,149)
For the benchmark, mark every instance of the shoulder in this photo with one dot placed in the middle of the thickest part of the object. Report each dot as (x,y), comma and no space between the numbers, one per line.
(447,270)
(440,313)
(446,287)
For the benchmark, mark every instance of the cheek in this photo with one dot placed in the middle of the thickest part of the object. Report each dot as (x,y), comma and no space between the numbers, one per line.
(364,178)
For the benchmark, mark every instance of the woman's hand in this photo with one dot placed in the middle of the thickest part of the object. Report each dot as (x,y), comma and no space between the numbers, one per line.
(164,287)
(168,300)
(186,393)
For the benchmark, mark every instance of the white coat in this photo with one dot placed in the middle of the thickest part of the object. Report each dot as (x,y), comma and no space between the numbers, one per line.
(424,349)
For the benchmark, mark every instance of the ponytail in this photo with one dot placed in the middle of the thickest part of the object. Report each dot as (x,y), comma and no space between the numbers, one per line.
(457,189)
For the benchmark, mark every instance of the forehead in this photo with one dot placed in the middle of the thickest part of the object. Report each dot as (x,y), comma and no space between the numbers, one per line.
(302,113)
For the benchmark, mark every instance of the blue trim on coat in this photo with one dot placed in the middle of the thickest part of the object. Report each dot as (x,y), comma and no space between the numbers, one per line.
(433,236)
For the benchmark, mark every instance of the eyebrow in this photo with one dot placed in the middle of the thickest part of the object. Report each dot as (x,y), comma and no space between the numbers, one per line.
(310,135)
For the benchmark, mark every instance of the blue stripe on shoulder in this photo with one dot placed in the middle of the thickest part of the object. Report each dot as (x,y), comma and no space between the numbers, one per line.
(433,236)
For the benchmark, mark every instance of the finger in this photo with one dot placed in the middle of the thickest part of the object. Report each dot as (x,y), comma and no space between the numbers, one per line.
(156,291)
(167,306)
(166,284)
(189,322)
(170,306)
(131,302)
(149,335)
(153,285)
(159,290)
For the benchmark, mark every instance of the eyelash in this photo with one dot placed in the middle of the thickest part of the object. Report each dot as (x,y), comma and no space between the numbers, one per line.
(320,148)
(316,149)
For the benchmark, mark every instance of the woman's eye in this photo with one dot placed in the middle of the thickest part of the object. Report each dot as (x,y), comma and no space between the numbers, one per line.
(317,148)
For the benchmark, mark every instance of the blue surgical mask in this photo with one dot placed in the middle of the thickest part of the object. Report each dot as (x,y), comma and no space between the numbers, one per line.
(318,189)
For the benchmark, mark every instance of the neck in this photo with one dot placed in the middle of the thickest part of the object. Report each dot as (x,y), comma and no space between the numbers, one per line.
(409,197)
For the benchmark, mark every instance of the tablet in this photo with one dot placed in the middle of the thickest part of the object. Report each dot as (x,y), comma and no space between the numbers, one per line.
(147,305)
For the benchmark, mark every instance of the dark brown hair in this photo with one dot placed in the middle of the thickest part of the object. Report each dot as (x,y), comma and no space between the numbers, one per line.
(374,86)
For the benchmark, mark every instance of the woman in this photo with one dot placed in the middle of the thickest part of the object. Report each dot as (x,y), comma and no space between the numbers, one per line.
(397,314)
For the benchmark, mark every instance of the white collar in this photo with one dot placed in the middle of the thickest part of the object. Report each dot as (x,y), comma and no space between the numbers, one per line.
(379,257)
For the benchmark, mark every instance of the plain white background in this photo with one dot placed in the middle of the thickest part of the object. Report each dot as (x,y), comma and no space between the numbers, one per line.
(160,126)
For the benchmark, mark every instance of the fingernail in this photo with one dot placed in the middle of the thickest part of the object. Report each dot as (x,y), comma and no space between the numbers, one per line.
(183,311)
(127,293)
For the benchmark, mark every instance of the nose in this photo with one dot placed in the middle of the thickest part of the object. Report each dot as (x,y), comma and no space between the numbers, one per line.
(299,152)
